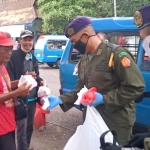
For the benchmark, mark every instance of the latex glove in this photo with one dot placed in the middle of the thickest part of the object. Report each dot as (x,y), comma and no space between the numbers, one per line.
(98,100)
(138,140)
(53,101)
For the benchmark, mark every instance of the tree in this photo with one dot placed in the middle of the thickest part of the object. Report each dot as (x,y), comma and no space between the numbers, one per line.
(128,7)
(56,14)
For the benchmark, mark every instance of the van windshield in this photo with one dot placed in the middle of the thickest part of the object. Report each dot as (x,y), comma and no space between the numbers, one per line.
(40,44)
(128,40)
(56,44)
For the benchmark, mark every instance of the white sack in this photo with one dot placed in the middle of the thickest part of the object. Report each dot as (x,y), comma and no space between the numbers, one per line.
(87,136)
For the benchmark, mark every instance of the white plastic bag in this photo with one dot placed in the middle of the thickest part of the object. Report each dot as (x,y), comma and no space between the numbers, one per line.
(29,79)
(43,91)
(87,136)
(46,103)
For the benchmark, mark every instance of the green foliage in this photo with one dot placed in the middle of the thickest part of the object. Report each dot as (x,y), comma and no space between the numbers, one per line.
(128,7)
(56,14)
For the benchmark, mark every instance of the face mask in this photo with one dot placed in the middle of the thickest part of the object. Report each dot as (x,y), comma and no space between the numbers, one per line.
(27,58)
(146,45)
(80,46)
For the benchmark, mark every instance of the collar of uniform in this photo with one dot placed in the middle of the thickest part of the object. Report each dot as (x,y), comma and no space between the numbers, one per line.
(84,57)
(97,52)
(100,48)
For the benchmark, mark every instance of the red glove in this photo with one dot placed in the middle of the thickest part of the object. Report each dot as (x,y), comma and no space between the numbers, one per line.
(89,96)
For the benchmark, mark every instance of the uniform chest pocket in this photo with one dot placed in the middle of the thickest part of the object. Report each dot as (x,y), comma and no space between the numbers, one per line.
(103,73)
(103,68)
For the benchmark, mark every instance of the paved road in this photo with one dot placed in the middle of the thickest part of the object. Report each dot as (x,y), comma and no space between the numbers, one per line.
(60,126)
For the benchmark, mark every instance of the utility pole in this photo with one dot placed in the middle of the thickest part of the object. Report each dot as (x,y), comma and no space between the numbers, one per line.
(115,11)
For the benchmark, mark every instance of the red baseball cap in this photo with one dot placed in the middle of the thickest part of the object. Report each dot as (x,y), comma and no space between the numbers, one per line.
(5,39)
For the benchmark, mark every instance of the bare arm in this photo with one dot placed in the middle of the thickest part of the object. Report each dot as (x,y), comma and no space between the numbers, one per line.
(14,84)
(7,96)
(23,90)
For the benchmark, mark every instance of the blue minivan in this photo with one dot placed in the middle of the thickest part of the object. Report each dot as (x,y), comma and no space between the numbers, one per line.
(121,31)
(49,49)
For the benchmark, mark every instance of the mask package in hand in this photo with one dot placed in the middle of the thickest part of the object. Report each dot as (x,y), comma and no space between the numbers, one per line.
(82,91)
(43,91)
(29,79)
(86,96)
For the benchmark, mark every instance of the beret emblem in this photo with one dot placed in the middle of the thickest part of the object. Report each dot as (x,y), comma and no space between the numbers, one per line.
(70,31)
(138,19)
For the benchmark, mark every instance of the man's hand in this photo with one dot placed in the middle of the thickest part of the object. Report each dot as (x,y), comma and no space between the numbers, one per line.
(52,102)
(23,90)
(42,83)
(33,74)
(98,100)
(138,140)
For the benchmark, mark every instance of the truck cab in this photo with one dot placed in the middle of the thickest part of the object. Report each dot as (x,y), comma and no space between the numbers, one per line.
(121,31)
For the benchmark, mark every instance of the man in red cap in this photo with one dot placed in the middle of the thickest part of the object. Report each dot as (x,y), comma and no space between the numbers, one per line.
(7,115)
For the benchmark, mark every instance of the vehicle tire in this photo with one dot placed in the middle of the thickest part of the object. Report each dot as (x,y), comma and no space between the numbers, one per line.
(50,65)
(57,64)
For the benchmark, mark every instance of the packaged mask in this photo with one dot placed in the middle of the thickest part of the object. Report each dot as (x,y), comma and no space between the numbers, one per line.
(29,79)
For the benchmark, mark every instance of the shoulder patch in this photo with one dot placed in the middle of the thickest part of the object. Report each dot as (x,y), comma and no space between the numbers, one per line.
(122,54)
(126,62)
(99,51)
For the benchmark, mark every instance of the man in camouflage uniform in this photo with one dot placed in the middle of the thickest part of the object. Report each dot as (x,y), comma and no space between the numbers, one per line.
(114,74)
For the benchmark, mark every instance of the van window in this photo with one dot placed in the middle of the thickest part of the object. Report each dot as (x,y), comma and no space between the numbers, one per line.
(75,55)
(40,44)
(56,44)
(129,40)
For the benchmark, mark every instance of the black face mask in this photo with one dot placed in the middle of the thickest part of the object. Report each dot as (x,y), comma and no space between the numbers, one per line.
(80,46)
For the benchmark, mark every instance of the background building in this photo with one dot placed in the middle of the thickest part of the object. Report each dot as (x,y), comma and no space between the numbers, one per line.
(17,15)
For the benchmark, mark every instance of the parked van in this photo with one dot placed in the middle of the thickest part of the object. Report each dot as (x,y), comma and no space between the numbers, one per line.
(49,49)
(123,32)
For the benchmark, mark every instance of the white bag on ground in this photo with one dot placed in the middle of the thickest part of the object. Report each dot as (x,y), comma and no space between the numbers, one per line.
(87,136)
(29,79)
